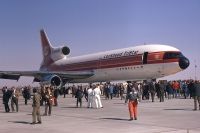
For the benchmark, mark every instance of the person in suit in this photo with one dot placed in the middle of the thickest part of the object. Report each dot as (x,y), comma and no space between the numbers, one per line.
(26,94)
(152,90)
(15,99)
(6,97)
(36,107)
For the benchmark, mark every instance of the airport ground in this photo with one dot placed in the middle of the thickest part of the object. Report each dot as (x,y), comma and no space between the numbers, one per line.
(171,116)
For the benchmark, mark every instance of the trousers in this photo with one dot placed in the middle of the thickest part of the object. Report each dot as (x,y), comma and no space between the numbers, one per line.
(196,99)
(132,106)
(36,114)
(98,101)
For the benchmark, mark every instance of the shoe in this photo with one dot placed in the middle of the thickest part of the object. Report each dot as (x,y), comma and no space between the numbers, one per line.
(130,119)
(194,109)
(33,123)
(39,122)
(135,118)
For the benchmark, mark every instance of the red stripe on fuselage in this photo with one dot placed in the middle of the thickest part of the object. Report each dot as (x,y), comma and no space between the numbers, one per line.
(153,58)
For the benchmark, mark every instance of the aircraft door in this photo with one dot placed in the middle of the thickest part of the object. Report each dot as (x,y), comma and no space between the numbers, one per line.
(144,58)
(99,64)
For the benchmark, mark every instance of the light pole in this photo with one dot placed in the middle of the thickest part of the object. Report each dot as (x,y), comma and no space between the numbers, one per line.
(195,67)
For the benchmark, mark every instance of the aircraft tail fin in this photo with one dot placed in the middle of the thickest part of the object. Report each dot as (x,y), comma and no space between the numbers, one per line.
(46,50)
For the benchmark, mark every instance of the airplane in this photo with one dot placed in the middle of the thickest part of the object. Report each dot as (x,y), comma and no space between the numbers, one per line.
(142,62)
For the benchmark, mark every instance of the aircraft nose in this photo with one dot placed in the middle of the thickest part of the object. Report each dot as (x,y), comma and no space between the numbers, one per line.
(184,62)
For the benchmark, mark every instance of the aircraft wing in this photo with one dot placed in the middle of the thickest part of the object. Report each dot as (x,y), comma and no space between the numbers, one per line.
(39,75)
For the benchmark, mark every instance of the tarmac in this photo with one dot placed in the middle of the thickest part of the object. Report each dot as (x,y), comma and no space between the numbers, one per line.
(171,116)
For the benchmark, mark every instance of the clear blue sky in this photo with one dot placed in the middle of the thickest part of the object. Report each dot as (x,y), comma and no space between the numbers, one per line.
(88,26)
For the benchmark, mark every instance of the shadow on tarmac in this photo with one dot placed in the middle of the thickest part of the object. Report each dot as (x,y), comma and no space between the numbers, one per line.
(116,119)
(72,107)
(20,122)
(120,103)
(178,109)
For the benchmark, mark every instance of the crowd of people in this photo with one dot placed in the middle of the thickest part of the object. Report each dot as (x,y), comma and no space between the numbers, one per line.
(147,90)
(131,93)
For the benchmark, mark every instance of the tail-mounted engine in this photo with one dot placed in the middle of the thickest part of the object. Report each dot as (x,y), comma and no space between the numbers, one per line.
(59,53)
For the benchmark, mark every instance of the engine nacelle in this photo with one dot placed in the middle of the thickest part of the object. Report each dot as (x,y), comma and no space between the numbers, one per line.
(59,53)
(53,80)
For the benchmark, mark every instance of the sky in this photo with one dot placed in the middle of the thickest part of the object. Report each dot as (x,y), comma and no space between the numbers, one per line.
(89,26)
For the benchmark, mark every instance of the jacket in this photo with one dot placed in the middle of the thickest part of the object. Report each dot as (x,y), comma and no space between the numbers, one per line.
(36,100)
(133,96)
(196,89)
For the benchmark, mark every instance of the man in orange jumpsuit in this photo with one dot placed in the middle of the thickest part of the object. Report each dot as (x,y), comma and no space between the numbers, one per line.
(132,103)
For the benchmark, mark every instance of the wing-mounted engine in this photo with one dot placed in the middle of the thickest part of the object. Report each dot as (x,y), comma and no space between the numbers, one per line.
(59,53)
(53,80)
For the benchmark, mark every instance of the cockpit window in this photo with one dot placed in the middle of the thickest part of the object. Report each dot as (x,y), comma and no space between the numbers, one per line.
(172,55)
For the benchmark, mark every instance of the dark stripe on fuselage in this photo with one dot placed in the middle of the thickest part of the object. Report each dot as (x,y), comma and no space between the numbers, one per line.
(153,58)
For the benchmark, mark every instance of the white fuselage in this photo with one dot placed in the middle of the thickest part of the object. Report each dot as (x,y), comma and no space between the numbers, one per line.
(122,64)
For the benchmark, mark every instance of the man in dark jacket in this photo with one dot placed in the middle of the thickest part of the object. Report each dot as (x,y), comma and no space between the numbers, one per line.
(196,94)
(79,96)
(26,94)
(191,88)
(152,90)
(6,96)
(161,90)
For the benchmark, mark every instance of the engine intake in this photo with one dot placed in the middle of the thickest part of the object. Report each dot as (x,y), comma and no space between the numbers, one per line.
(59,53)
(53,80)
(65,50)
